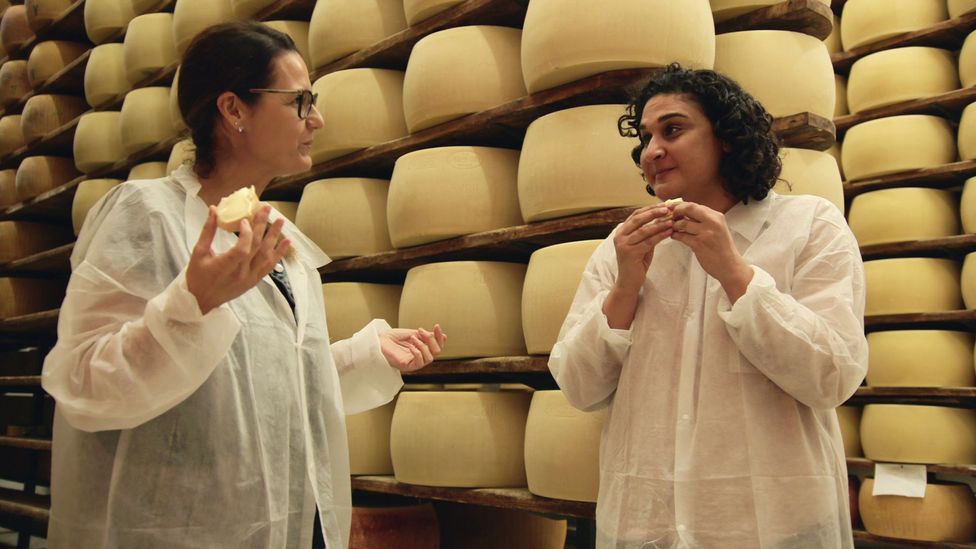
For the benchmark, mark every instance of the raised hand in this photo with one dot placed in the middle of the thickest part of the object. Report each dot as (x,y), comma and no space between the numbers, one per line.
(704,231)
(410,350)
(635,240)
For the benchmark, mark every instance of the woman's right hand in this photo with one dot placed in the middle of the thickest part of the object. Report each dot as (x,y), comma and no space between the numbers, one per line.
(216,279)
(634,243)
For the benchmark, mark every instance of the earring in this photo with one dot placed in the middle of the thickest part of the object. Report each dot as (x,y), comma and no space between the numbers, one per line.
(240,128)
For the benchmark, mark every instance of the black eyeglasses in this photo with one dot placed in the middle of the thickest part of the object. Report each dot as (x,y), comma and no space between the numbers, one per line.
(305,99)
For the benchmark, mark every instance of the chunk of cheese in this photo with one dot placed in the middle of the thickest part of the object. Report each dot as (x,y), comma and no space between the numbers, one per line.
(247,9)
(967,61)
(966,139)
(236,207)
(958,8)
(298,32)
(907,213)
(912,285)
(969,281)
(345,216)
(967,206)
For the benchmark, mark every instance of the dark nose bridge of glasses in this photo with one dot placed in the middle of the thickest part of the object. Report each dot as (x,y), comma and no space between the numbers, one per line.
(305,98)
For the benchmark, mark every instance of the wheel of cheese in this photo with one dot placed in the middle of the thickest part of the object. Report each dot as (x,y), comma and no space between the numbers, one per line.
(174,103)
(575,161)
(298,31)
(553,274)
(460,71)
(39,174)
(11,137)
(41,13)
(812,172)
(145,119)
(410,527)
(945,514)
(290,211)
(23,296)
(835,151)
(562,448)
(896,144)
(967,61)
(864,22)
(105,77)
(907,213)
(969,281)
(247,9)
(464,439)
(921,358)
(900,74)
(967,206)
(849,418)
(788,72)
(191,17)
(350,306)
(45,113)
(840,93)
(98,142)
(475,527)
(966,140)
(418,10)
(87,194)
(19,239)
(14,83)
(566,41)
(149,45)
(369,441)
(479,303)
(146,6)
(912,285)
(15,31)
(8,188)
(51,57)
(147,170)
(107,19)
(345,216)
(364,107)
(724,10)
(833,40)
(451,191)
(958,8)
(182,153)
(341,27)
(901,433)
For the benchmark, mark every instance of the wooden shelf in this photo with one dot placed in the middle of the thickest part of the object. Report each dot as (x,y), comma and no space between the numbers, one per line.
(24,512)
(956,397)
(20,381)
(55,261)
(807,16)
(948,105)
(864,465)
(942,177)
(42,322)
(70,26)
(864,539)
(27,443)
(953,247)
(964,320)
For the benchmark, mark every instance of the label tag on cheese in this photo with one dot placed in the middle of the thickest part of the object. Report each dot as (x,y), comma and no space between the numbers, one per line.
(899,479)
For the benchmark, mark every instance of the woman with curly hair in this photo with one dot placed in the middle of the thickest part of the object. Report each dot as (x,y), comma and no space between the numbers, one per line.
(721,331)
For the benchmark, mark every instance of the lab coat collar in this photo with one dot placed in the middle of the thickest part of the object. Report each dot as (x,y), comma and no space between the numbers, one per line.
(748,219)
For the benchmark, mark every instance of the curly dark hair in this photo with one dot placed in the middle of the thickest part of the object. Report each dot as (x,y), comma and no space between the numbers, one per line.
(752,165)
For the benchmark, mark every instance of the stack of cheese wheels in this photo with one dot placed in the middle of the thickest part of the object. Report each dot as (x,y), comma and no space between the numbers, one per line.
(14,83)
(479,303)
(575,161)
(966,141)
(551,280)
(51,57)
(912,285)
(41,13)
(38,174)
(174,103)
(98,142)
(907,213)
(146,6)
(418,10)
(341,27)
(563,42)
(562,448)
(724,10)
(369,441)
(182,153)
(19,239)
(474,527)
(149,45)
(900,74)
(840,96)
(14,29)
(945,514)
(45,113)
(788,72)
(364,107)
(411,527)
(105,77)
(897,143)
(460,71)
(8,187)
(849,418)
(247,9)
(464,439)
(807,171)
(346,216)
(352,305)
(865,22)
(23,296)
(11,137)
(451,191)
(191,17)
(902,433)
(147,170)
(921,358)
(967,61)
(298,32)
(289,210)
(968,279)
(145,120)
(88,193)
(107,19)
(960,7)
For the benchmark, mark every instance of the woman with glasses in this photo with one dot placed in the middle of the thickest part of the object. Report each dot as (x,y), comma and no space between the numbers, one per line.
(199,401)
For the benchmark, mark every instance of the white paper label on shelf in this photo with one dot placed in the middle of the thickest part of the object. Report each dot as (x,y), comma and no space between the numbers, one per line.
(899,479)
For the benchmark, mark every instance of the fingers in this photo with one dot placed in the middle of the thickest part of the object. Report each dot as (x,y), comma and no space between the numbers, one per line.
(642,217)
(430,341)
(425,352)
(205,241)
(439,335)
(266,256)
(647,231)
(260,226)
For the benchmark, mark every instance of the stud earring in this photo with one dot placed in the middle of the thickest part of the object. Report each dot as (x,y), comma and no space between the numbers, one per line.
(240,128)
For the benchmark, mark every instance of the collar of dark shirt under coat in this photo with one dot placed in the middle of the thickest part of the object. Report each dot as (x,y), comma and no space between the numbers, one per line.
(747,220)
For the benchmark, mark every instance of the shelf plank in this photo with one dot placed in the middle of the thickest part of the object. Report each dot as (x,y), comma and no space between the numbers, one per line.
(492,365)
(54,261)
(806,16)
(948,104)
(957,397)
(24,512)
(805,131)
(20,381)
(70,26)
(42,322)
(940,177)
(27,443)
(953,247)
(863,465)
(964,320)
(864,539)
(287,9)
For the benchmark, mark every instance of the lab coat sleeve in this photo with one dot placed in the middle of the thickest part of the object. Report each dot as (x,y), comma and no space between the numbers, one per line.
(366,378)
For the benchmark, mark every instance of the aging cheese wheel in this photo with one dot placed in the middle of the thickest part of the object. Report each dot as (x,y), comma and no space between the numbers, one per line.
(14,83)
(350,306)
(833,40)
(15,31)
(967,61)
(945,514)
(87,194)
(98,141)
(903,433)
(341,27)
(149,46)
(900,74)
(105,77)
(920,358)
(562,448)
(247,9)
(967,206)
(788,72)
(45,113)
(183,152)
(41,13)
(51,57)
(345,216)
(840,93)
(459,71)
(287,209)
(145,120)
(369,441)
(907,213)
(8,188)
(723,10)
(411,527)
(191,17)
(147,170)
(174,103)
(475,527)
(551,280)
(867,21)
(835,151)
(464,439)
(812,172)
(849,418)
(966,141)
(418,10)
(912,285)
(958,8)
(969,281)
(566,41)
(39,174)
(451,191)
(298,31)
(897,143)
(23,296)
(19,239)
(575,161)
(11,137)
(107,19)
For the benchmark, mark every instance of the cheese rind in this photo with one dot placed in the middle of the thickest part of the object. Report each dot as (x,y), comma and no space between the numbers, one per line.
(11,136)
(350,306)
(98,142)
(145,120)
(45,113)
(810,172)
(38,174)
(945,514)
(51,57)
(149,45)
(967,133)
(345,216)
(849,418)
(896,144)
(901,433)
(8,187)
(298,32)
(41,13)
(341,27)
(368,434)
(920,358)
(105,77)
(14,83)
(106,19)
(191,17)
(15,31)
(900,74)
(901,214)
(912,285)
(864,22)
(19,239)
(88,193)
(418,10)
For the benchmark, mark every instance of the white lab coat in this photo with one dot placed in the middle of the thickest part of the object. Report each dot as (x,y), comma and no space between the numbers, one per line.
(721,430)
(176,429)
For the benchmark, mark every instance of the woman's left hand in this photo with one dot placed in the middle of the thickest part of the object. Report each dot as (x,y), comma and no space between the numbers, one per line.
(410,350)
(704,231)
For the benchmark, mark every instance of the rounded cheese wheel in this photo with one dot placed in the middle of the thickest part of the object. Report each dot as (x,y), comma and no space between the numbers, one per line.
(19,239)
(147,170)
(562,448)
(551,280)
(174,103)
(191,17)
(38,174)
(107,19)
(145,119)
(345,216)
(849,418)
(105,77)
(15,31)
(45,113)
(13,82)
(149,45)
(900,74)
(41,13)
(907,213)
(840,93)
(364,107)
(245,9)
(945,513)
(298,31)
(451,191)
(896,144)
(418,10)
(566,41)
(341,27)
(8,188)
(833,40)
(920,358)
(23,296)
(476,527)
(460,71)
(788,72)
(460,439)
(812,172)
(575,161)
(912,285)
(966,141)
(867,21)
(903,433)
(834,151)
(182,153)
(960,7)
(479,303)
(967,61)
(413,527)
(87,194)
(51,57)
(146,6)
(967,206)
(11,137)
(724,10)
(969,281)
(289,210)
(369,441)
(350,306)
(98,142)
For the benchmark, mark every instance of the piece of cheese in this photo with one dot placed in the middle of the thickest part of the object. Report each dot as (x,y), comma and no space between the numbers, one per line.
(51,57)
(247,9)
(11,137)
(147,170)
(459,71)
(966,140)
(575,161)
(236,207)
(900,74)
(724,10)
(385,527)
(902,433)
(864,22)
(98,141)
(368,434)
(88,193)
(906,213)
(912,285)
(8,188)
(418,10)
(182,153)
(14,83)
(287,209)
(41,13)
(298,32)
(43,114)
(105,77)
(149,46)
(345,216)
(945,514)
(967,61)
(451,191)
(566,41)
(350,306)
(107,19)
(19,239)
(833,39)
(840,93)
(806,171)
(921,358)
(476,527)
(15,31)
(24,296)
(145,120)
(478,303)
(896,144)
(146,6)
(341,27)
(849,418)
(967,206)
(191,17)
(39,174)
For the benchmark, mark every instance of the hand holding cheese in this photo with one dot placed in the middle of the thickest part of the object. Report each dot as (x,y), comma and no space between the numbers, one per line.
(705,231)
(240,204)
(410,350)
